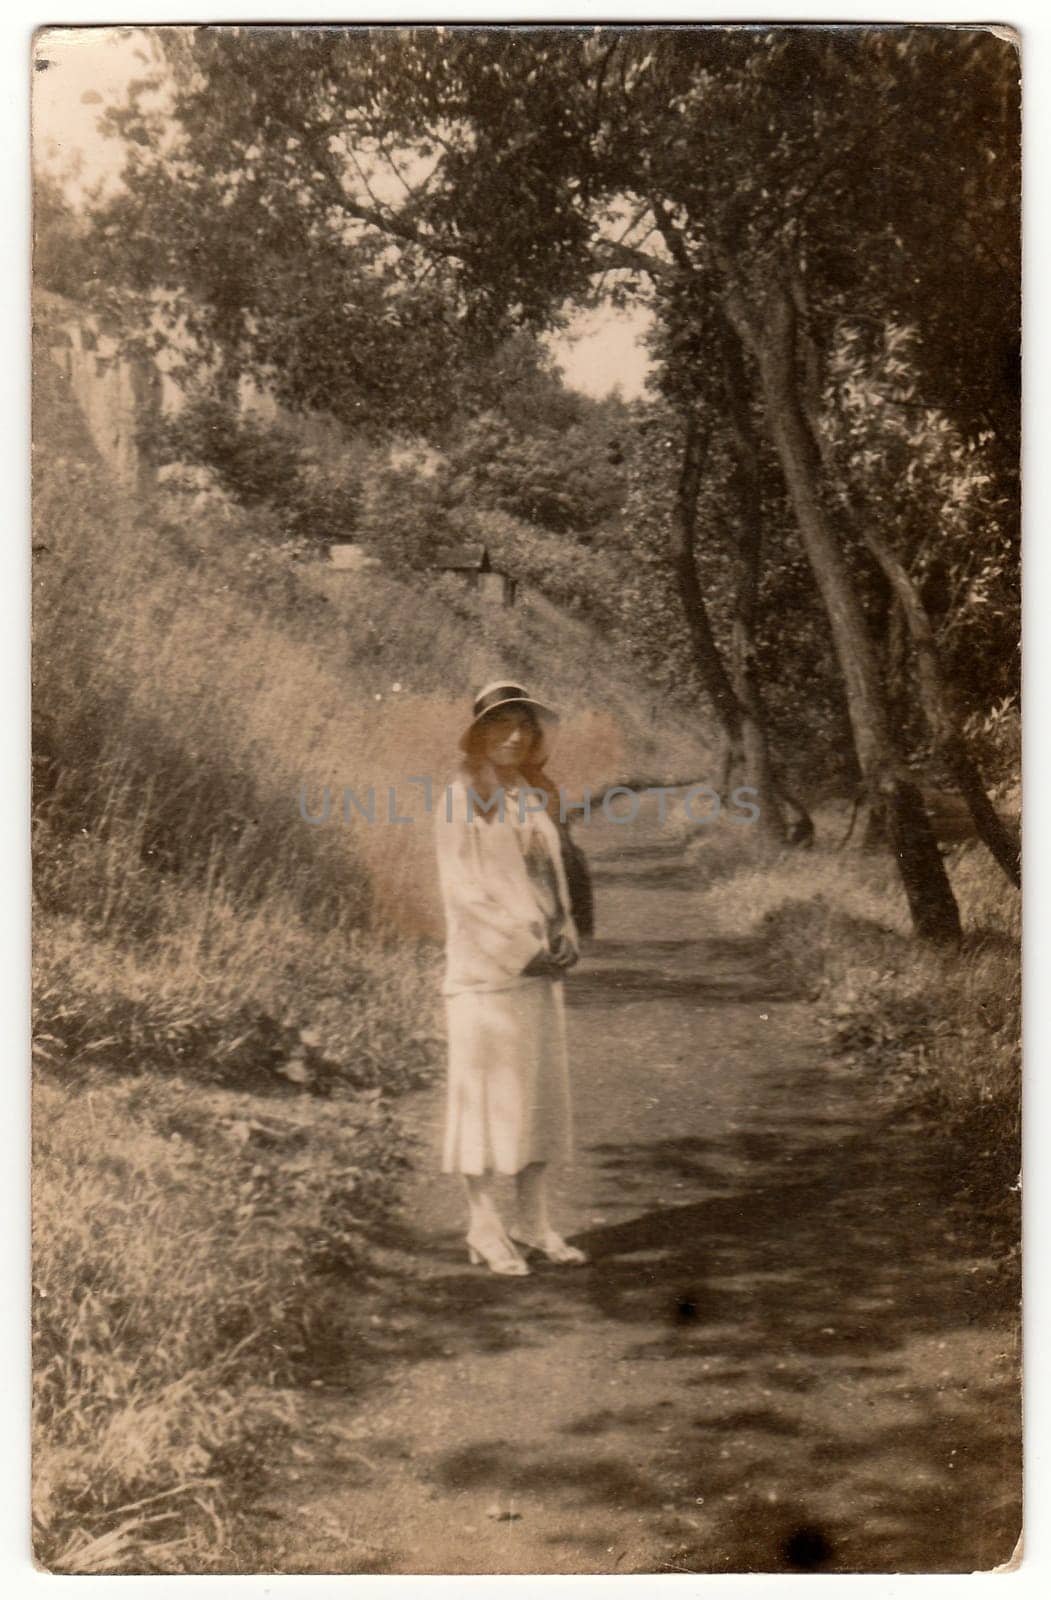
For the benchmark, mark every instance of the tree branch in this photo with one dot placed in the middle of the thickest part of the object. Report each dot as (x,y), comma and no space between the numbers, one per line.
(610,253)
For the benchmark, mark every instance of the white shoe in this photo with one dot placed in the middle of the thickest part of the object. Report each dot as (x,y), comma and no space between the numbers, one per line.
(498,1254)
(553,1247)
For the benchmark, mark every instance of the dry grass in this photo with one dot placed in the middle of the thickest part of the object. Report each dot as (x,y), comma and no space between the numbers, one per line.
(175,1232)
(941,1029)
(226,995)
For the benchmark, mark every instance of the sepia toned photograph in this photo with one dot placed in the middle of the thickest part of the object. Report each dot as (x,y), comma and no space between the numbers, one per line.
(526,799)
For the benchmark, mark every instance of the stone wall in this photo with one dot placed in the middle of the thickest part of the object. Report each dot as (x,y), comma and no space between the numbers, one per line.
(116,392)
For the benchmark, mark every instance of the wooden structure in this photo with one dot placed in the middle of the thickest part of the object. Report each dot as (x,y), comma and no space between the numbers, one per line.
(473,565)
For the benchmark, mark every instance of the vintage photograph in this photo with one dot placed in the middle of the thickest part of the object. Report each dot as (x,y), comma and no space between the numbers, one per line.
(526,799)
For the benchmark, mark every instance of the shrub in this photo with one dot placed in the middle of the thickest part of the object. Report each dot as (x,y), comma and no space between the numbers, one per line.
(558,478)
(566,573)
(252,460)
(939,1029)
(262,463)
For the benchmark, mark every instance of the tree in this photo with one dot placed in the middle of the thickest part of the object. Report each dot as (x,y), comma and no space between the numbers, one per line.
(528,164)
(751,233)
(228,222)
(947,483)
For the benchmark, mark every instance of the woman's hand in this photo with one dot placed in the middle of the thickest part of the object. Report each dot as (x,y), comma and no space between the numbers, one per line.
(564,954)
(554,962)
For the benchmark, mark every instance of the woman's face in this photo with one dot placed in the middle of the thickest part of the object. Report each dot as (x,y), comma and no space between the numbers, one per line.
(507,737)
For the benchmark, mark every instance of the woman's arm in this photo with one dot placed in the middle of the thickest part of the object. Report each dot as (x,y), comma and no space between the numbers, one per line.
(507,935)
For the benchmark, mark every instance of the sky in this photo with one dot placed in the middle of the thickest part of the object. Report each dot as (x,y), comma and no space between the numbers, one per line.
(602,351)
(89,69)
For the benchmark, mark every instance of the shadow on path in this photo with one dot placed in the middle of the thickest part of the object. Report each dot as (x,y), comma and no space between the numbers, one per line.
(789,1357)
(793,1354)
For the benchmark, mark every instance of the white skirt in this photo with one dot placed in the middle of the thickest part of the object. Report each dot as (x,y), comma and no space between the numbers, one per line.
(507,1101)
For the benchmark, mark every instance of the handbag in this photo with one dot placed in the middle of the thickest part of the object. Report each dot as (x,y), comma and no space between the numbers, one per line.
(579,882)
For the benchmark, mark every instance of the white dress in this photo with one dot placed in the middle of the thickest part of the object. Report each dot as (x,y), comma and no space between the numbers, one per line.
(505,896)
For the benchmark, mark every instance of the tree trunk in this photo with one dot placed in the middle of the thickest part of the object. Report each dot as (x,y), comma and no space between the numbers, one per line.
(909,620)
(875,835)
(949,745)
(744,732)
(931,903)
(745,726)
(747,553)
(683,523)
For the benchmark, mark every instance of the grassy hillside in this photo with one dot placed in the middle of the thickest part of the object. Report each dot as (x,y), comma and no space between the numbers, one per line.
(215,975)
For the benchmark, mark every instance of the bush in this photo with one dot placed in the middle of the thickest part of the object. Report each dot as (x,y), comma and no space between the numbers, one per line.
(558,478)
(252,460)
(262,463)
(939,1029)
(403,520)
(568,574)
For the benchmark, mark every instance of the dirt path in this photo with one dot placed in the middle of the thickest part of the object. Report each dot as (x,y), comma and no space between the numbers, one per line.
(783,1357)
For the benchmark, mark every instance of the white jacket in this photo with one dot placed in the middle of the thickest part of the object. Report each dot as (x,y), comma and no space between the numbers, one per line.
(494,924)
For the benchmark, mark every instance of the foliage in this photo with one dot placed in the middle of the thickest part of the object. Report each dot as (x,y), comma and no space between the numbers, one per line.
(648,605)
(941,1031)
(560,480)
(500,172)
(530,446)
(995,736)
(64,245)
(938,499)
(517,170)
(583,581)
(231,212)
(803,698)
(253,462)
(404,518)
(520,382)
(261,463)
(396,494)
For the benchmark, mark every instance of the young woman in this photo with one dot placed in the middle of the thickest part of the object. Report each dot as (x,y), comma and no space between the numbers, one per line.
(510,939)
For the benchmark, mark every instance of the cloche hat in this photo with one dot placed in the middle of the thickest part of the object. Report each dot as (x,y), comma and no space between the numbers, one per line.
(500,697)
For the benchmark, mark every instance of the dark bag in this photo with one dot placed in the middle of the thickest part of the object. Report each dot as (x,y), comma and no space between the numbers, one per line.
(578,879)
